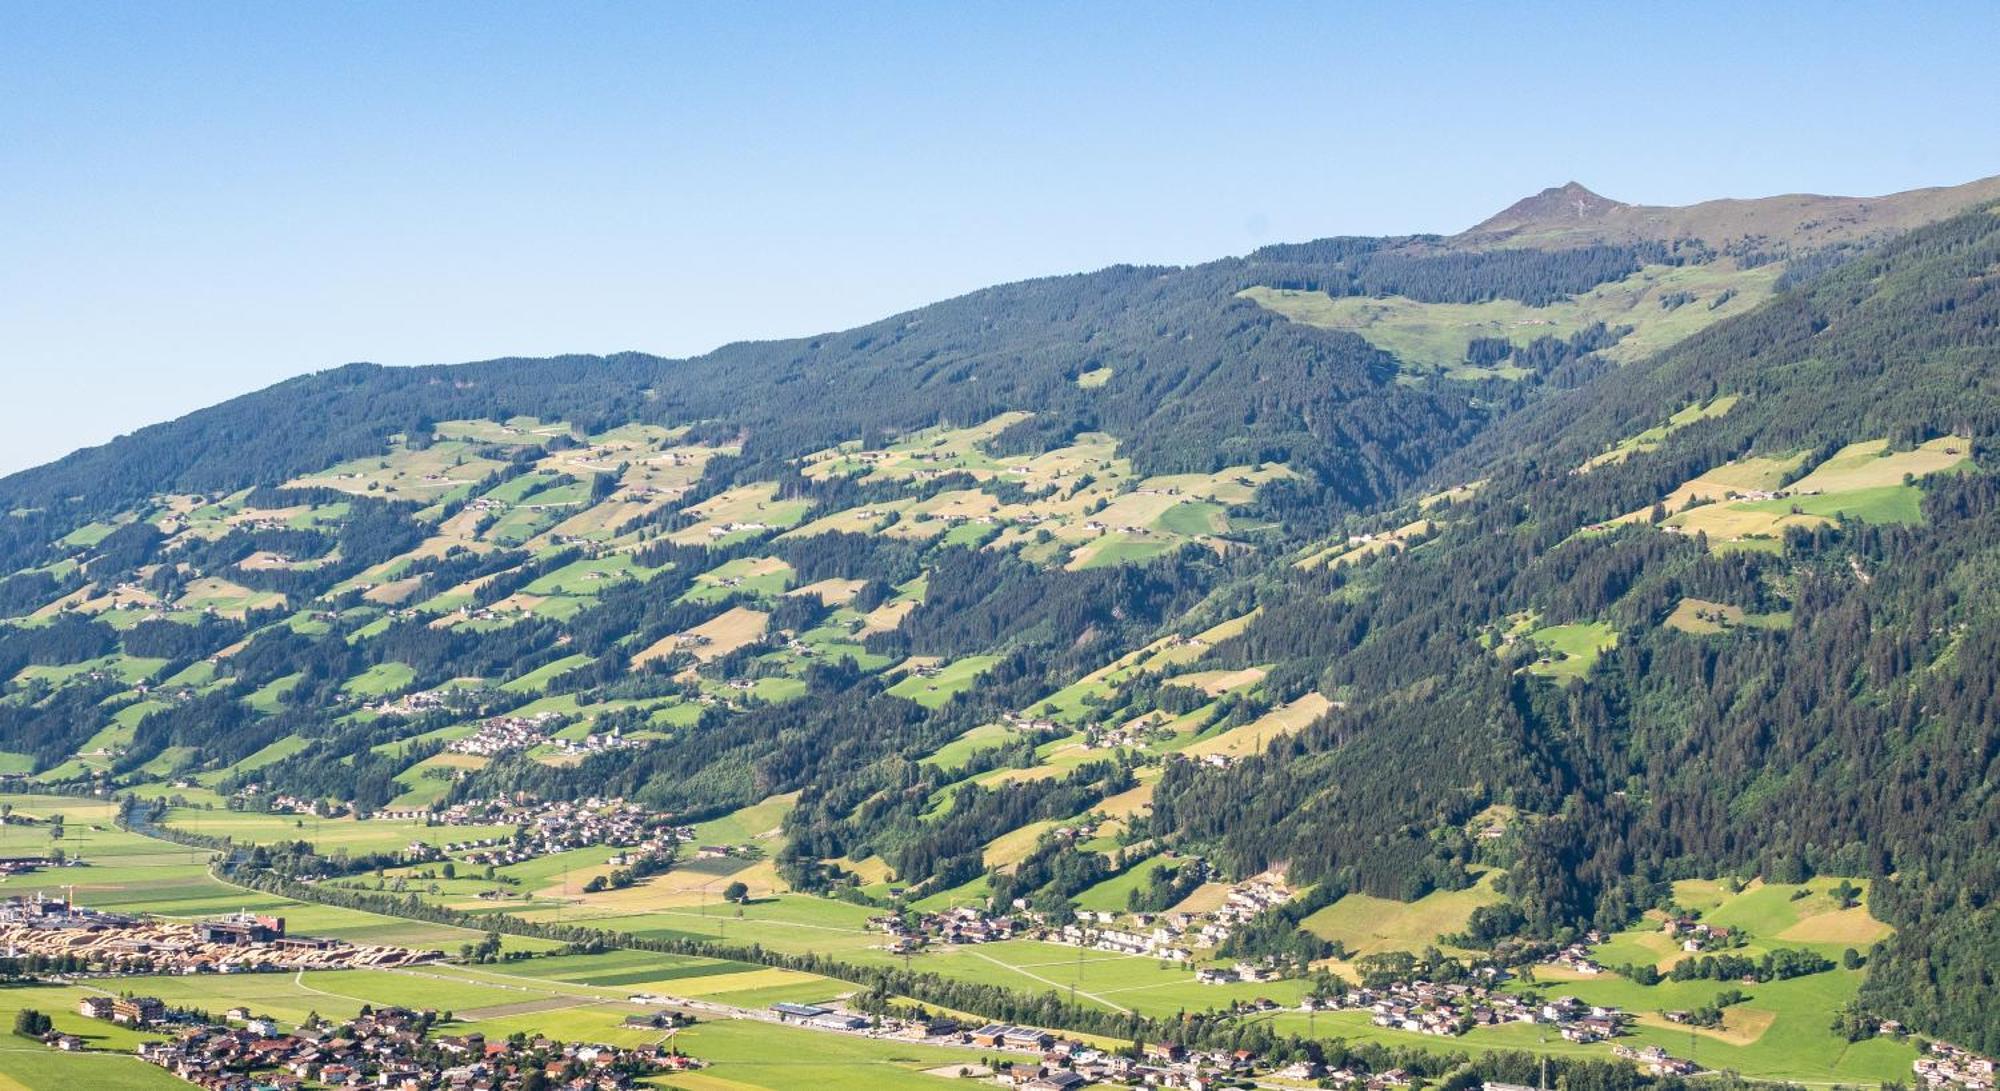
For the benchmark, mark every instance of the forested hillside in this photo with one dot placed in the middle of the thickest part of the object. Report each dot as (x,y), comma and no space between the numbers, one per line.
(1550,589)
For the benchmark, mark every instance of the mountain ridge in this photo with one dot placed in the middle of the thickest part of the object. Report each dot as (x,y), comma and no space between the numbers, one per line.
(1526,223)
(1573,215)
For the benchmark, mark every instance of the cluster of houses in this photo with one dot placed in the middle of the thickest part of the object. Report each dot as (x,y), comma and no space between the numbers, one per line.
(1241,971)
(392,1048)
(506,734)
(1657,1061)
(1695,935)
(1448,1009)
(614,739)
(1064,1065)
(409,704)
(238,943)
(1028,723)
(1054,1063)
(547,828)
(499,611)
(1146,934)
(964,924)
(1577,958)
(290,804)
(488,503)
(1133,733)
(1174,936)
(1244,901)
(1043,1061)
(1947,1065)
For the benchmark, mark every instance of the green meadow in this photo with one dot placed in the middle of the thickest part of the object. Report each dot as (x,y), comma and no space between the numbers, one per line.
(1434,337)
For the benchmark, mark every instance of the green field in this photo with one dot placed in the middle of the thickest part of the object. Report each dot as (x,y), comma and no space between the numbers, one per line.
(1194,518)
(955,753)
(1365,924)
(1110,894)
(131,872)
(1120,548)
(1879,504)
(1433,337)
(535,996)
(1702,617)
(950,680)
(1651,438)
(1572,649)
(744,1054)
(328,834)
(1864,481)
(381,680)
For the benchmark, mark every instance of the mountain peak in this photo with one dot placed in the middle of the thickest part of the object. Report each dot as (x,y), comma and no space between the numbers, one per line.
(1569,203)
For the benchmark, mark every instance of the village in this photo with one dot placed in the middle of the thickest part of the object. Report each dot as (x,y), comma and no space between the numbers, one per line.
(1175,936)
(963,924)
(546,828)
(505,734)
(240,943)
(1033,1059)
(1172,937)
(1449,1009)
(393,1048)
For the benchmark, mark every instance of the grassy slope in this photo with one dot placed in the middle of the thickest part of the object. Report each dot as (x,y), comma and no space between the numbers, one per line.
(1432,337)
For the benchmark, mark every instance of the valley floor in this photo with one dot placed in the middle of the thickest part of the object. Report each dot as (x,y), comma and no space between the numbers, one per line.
(1781,1033)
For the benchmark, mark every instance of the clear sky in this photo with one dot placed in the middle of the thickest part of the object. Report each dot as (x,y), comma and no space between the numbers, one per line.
(199,199)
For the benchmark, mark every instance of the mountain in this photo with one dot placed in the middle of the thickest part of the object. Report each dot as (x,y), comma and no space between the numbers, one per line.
(1530,591)
(1569,205)
(1571,215)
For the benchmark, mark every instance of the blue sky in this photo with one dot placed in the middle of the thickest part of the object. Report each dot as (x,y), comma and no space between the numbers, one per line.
(199,199)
